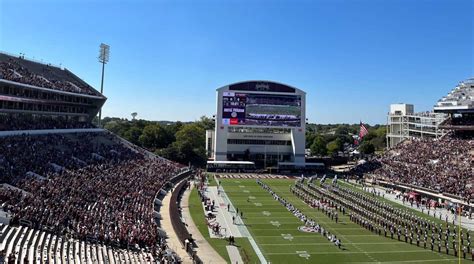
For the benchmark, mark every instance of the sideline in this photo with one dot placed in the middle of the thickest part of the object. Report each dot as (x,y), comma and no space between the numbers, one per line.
(244,231)
(223,217)
(234,254)
(172,239)
(204,250)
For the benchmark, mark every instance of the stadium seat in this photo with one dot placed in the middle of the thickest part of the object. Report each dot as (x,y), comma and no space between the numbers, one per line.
(12,240)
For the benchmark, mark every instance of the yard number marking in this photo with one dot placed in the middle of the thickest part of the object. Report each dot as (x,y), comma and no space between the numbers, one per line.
(275,223)
(303,254)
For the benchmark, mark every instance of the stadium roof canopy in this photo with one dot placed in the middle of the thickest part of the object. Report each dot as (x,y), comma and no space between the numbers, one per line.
(262,86)
(458,100)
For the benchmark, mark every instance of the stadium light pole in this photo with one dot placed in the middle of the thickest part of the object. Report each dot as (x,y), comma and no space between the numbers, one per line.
(104,55)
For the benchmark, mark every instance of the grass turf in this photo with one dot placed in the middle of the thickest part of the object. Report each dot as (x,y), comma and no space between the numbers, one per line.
(197,213)
(358,188)
(276,231)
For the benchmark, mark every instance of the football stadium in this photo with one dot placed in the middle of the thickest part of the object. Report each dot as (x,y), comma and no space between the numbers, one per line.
(73,192)
(279,169)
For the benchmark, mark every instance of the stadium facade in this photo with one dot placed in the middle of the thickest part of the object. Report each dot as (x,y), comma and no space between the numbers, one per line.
(403,123)
(32,88)
(259,123)
(452,113)
(460,100)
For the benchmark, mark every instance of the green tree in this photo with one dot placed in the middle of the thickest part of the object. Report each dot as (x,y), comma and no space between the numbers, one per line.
(379,143)
(133,134)
(310,139)
(206,123)
(342,130)
(334,146)
(318,148)
(366,147)
(171,153)
(190,144)
(154,137)
(381,131)
(118,127)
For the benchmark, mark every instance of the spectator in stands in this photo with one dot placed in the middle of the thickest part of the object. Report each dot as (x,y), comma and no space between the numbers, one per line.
(13,70)
(85,185)
(9,122)
(443,165)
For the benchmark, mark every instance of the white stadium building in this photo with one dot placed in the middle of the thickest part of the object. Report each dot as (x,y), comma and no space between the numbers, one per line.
(258,124)
(452,112)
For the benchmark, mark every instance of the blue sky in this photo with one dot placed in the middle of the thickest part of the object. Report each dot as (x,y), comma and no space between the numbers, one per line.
(353,57)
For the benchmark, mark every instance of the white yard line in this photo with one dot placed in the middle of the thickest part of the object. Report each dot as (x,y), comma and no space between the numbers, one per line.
(245,232)
(325,243)
(328,227)
(349,252)
(409,261)
(309,235)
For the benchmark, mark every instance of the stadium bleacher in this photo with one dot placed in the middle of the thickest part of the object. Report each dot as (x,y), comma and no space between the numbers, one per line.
(460,98)
(83,193)
(18,69)
(441,165)
(11,122)
(69,192)
(37,246)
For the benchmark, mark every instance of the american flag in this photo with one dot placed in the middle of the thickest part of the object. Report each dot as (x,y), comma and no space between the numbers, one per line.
(356,142)
(363,131)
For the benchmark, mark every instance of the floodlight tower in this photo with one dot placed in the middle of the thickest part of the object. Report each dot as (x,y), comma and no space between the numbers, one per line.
(104,55)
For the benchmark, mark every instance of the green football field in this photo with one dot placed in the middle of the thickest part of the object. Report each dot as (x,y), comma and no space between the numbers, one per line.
(273,109)
(276,231)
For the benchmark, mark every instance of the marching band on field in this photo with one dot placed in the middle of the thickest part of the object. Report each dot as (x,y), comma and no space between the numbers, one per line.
(309,223)
(382,218)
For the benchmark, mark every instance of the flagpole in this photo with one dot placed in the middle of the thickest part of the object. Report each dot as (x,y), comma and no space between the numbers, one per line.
(459,237)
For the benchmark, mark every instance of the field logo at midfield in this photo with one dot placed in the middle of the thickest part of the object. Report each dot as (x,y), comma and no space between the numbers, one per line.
(303,254)
(266,213)
(275,223)
(258,204)
(287,236)
(307,229)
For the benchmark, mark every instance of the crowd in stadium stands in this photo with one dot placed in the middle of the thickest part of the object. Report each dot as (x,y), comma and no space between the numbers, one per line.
(44,154)
(83,186)
(461,121)
(27,122)
(11,70)
(445,165)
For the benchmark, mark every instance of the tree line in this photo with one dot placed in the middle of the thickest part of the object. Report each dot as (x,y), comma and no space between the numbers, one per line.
(329,140)
(184,142)
(177,141)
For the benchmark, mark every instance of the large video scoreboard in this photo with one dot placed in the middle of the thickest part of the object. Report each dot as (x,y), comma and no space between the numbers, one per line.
(261,109)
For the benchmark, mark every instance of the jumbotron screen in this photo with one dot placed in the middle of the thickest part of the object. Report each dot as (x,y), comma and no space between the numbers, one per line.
(261,109)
